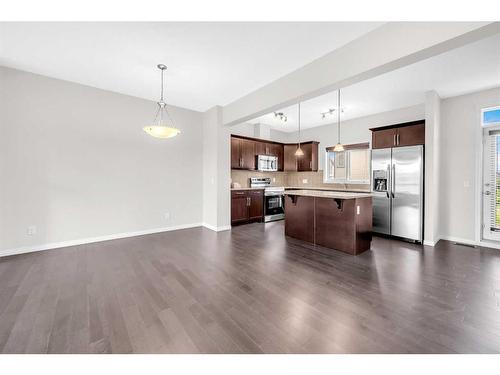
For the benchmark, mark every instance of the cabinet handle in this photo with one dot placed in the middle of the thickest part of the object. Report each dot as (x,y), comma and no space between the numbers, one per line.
(248,201)
(398,139)
(241,162)
(311,164)
(394,140)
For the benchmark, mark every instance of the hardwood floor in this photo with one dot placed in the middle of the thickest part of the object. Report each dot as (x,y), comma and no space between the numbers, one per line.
(249,290)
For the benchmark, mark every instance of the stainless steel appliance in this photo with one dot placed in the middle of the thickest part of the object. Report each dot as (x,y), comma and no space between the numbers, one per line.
(398,191)
(274,198)
(267,163)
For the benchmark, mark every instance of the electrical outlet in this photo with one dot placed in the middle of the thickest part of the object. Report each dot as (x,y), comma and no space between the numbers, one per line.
(31,231)
(166,215)
(304,180)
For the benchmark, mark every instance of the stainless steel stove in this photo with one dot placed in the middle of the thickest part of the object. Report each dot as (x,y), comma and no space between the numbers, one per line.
(274,198)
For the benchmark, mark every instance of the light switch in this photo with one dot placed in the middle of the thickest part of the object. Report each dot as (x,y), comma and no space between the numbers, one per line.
(466,184)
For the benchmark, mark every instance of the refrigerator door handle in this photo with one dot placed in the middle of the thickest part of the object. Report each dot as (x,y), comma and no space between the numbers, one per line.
(389,181)
(393,179)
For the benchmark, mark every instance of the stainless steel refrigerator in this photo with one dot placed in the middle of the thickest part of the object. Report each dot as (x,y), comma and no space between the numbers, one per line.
(398,191)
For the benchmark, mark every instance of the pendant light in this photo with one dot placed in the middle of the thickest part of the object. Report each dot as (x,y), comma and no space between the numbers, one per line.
(338,147)
(299,151)
(163,125)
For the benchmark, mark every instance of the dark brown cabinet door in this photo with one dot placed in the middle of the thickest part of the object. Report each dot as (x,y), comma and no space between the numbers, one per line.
(289,159)
(276,149)
(384,138)
(235,153)
(410,135)
(308,162)
(239,207)
(247,149)
(299,217)
(256,201)
(260,148)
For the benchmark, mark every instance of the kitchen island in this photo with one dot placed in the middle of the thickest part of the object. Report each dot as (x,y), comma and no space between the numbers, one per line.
(337,220)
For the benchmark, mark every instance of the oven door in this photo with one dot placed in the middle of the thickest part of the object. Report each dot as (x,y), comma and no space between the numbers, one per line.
(274,208)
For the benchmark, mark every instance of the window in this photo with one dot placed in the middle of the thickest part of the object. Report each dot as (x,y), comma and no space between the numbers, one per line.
(349,166)
(490,116)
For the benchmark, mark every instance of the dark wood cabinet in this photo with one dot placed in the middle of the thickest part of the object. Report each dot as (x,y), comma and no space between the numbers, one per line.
(256,205)
(242,153)
(308,162)
(247,206)
(299,217)
(340,224)
(385,138)
(400,135)
(239,207)
(411,135)
(289,158)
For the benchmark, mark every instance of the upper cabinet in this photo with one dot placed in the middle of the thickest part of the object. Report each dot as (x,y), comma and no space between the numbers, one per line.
(242,153)
(406,134)
(306,163)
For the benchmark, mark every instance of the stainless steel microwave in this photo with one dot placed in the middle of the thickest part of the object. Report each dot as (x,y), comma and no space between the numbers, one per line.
(267,163)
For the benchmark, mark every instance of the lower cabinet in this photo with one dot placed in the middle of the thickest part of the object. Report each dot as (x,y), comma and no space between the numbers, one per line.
(247,206)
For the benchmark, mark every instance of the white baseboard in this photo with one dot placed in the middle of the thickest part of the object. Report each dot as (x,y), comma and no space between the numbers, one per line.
(430,243)
(482,243)
(216,229)
(83,241)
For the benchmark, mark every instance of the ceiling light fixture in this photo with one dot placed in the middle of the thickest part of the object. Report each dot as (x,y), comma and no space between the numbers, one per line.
(330,112)
(338,147)
(160,127)
(299,151)
(281,116)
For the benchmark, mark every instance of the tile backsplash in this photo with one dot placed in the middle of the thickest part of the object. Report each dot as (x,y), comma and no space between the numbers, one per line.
(293,179)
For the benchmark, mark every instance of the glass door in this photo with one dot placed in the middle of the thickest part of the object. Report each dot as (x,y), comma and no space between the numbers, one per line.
(491,184)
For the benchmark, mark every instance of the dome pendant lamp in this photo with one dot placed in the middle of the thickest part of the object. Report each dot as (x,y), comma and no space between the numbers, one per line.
(163,125)
(299,152)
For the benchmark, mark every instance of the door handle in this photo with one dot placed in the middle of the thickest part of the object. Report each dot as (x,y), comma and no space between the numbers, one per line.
(394,180)
(389,181)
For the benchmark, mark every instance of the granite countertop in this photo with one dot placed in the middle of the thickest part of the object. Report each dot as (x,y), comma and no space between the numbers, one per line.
(325,189)
(328,194)
(248,188)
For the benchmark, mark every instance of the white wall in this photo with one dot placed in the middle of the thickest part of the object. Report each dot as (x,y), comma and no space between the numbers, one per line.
(460,163)
(75,162)
(357,130)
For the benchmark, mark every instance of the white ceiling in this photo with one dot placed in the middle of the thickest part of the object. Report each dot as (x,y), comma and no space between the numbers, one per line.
(209,63)
(467,69)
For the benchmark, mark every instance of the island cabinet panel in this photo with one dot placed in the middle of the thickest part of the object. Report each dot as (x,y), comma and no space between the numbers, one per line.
(344,225)
(299,217)
(335,224)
